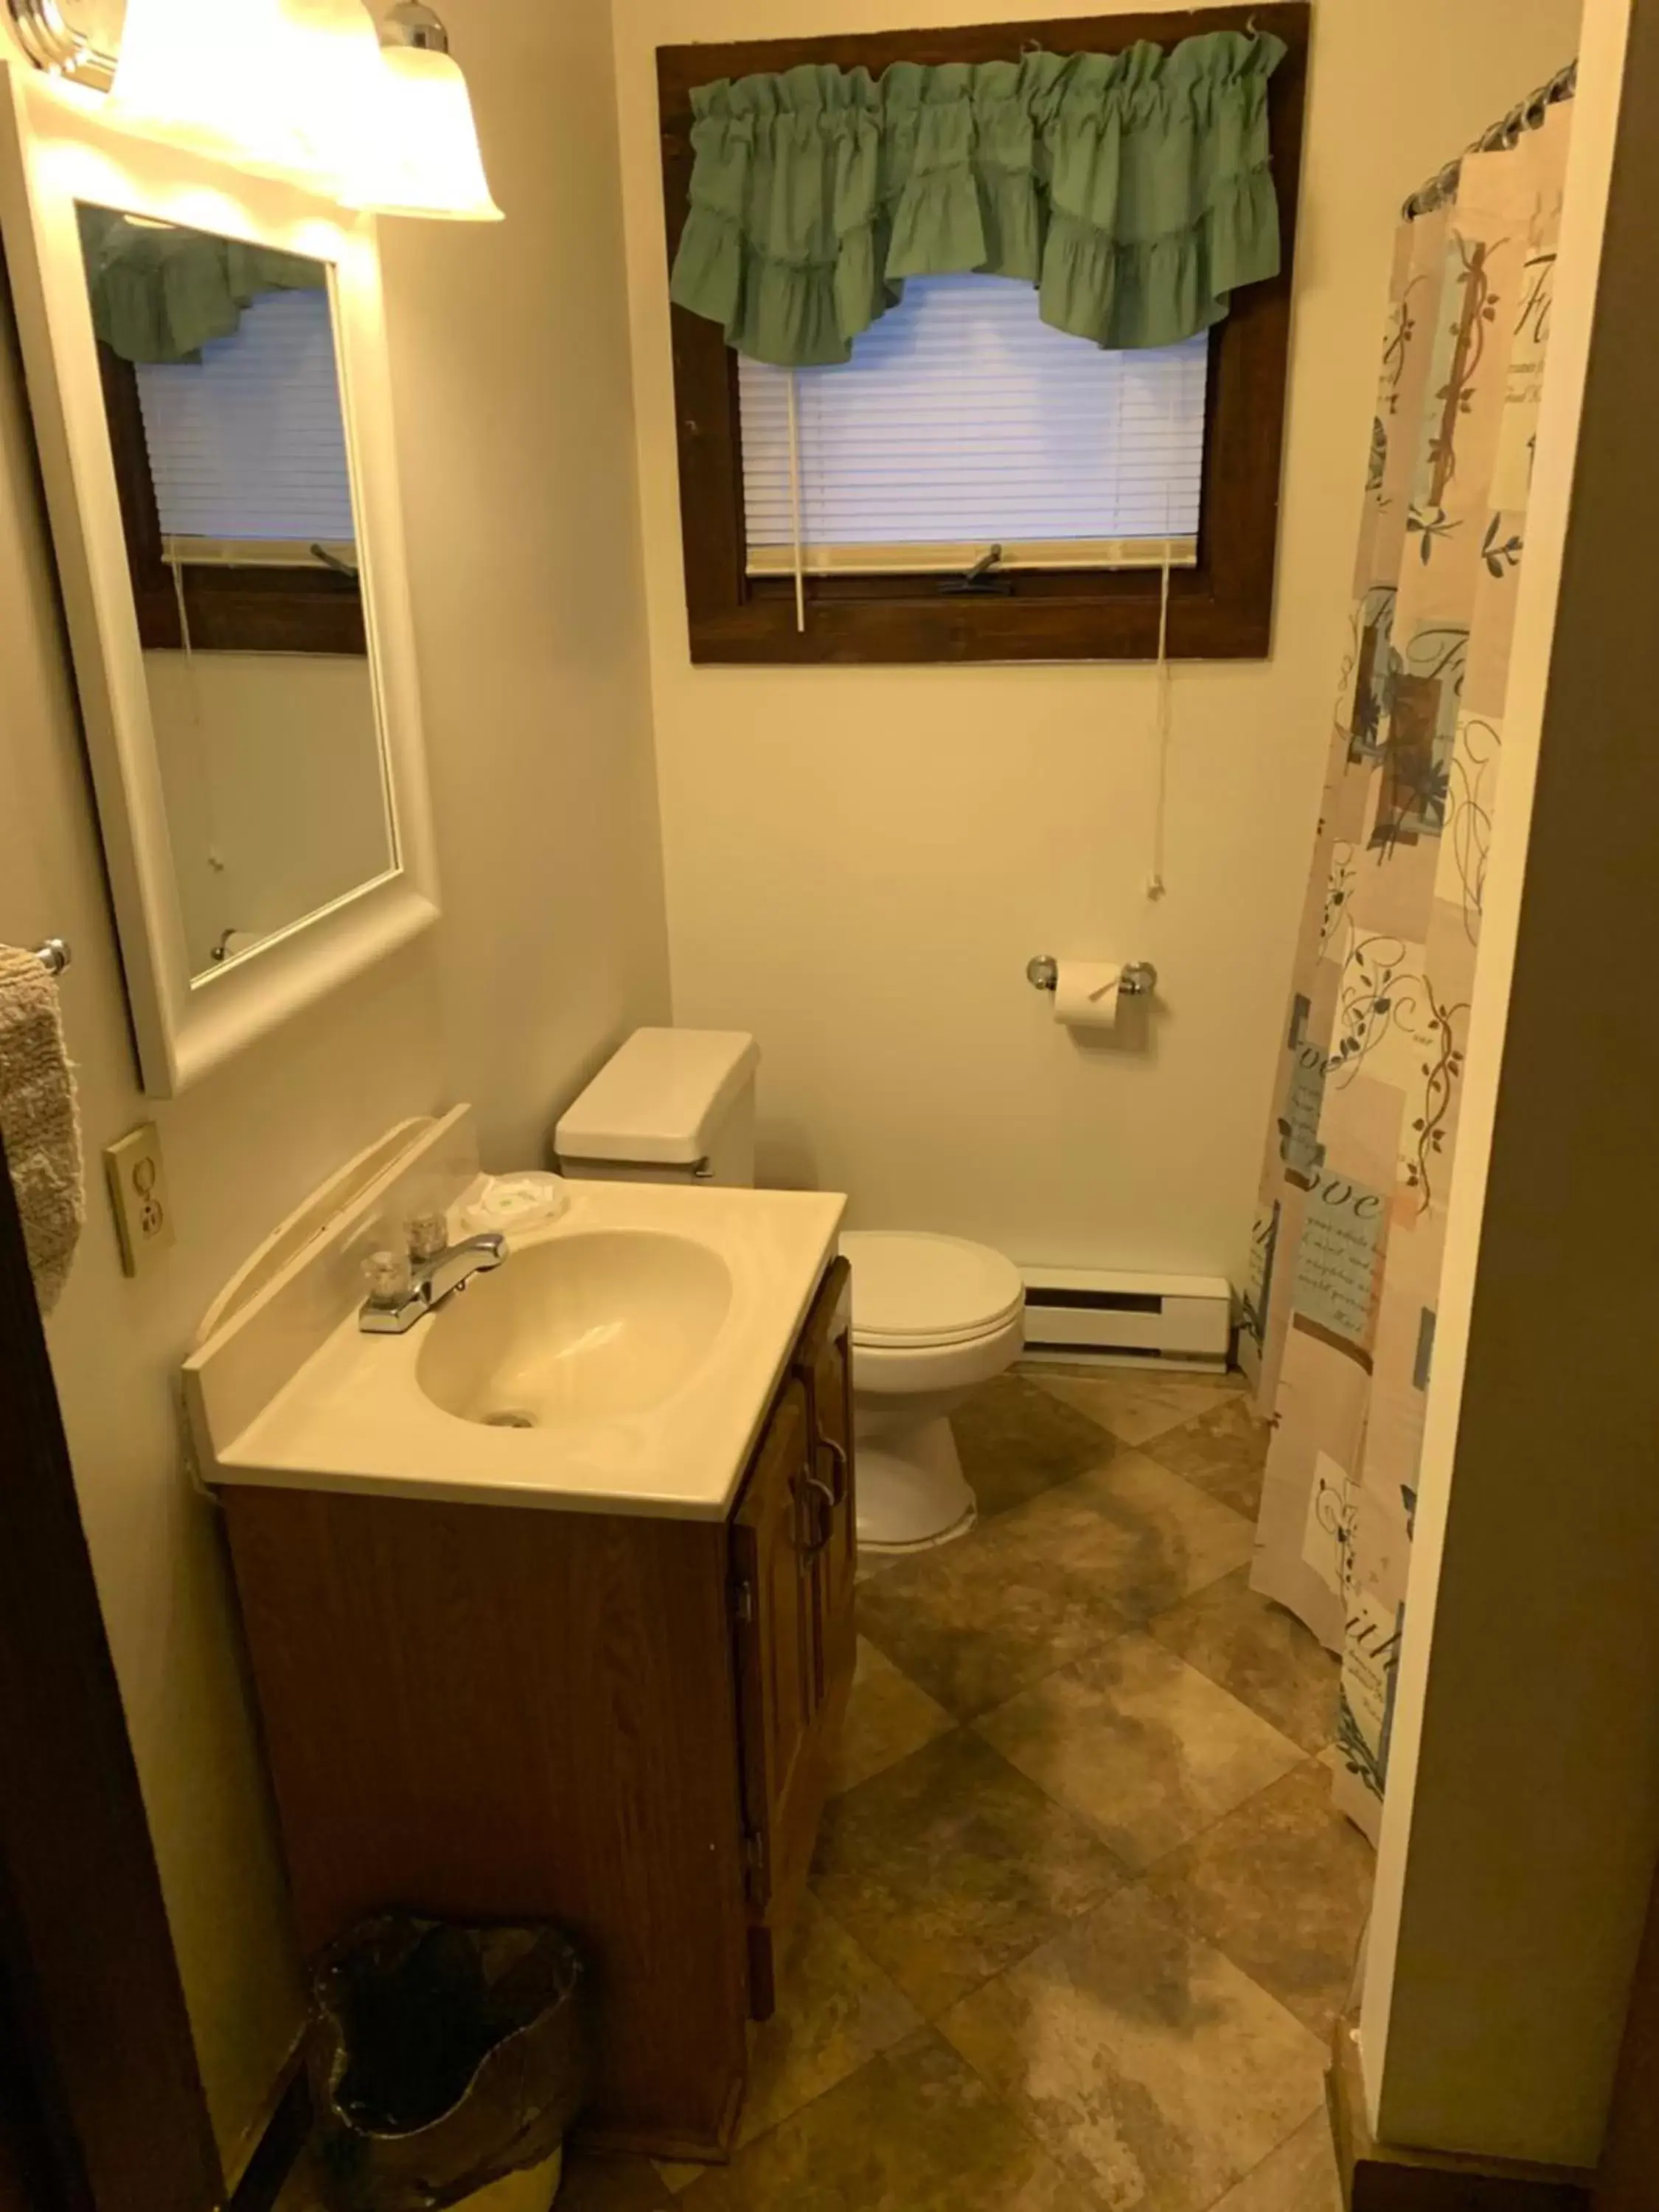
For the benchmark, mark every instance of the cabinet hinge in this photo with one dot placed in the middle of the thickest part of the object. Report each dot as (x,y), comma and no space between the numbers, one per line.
(743,1600)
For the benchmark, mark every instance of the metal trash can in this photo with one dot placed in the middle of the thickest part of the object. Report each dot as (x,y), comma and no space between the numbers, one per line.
(446,2065)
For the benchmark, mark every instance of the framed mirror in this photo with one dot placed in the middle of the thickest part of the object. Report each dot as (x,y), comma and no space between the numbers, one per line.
(206,361)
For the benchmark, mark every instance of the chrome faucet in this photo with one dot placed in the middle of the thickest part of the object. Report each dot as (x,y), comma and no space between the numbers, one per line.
(401,1294)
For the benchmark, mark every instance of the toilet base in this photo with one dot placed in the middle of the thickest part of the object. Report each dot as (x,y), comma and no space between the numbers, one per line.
(912,1492)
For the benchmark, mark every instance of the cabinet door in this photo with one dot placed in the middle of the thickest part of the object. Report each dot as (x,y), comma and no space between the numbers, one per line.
(823,1363)
(775,1600)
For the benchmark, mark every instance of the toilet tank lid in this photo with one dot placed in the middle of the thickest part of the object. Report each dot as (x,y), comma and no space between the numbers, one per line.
(659,1100)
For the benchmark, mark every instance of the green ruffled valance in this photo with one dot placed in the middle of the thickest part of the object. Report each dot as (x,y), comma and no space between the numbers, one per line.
(161,293)
(1135,190)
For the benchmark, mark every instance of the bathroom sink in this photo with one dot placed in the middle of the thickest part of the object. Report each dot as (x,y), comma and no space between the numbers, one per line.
(621,1360)
(587,1328)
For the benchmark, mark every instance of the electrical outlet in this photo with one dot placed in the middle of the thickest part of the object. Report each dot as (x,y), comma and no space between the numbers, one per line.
(138,1192)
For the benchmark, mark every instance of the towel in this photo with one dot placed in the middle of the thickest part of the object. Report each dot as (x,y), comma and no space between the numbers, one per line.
(40,1121)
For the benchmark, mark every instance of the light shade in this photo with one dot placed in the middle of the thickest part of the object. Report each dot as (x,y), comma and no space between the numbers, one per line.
(425,159)
(334,55)
(216,75)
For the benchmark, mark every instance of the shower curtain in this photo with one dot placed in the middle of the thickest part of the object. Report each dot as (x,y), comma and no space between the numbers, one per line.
(1345,1272)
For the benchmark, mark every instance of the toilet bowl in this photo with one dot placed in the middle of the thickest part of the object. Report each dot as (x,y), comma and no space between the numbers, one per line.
(933,1317)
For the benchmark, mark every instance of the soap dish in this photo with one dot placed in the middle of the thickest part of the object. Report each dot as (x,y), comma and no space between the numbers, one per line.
(529,1201)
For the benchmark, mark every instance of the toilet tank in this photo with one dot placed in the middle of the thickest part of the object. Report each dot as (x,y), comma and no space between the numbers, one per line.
(671,1106)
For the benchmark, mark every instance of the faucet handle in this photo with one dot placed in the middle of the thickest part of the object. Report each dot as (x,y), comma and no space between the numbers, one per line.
(426,1235)
(388,1277)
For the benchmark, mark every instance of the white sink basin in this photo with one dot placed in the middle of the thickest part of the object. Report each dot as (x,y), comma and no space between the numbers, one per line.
(586,1328)
(621,1361)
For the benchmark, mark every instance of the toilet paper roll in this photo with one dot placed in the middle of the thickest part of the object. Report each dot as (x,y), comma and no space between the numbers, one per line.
(1087,993)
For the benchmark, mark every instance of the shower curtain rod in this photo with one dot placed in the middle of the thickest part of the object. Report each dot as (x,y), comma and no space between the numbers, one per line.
(1528,116)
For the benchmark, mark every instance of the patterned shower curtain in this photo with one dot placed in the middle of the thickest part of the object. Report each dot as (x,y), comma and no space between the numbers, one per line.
(1346,1276)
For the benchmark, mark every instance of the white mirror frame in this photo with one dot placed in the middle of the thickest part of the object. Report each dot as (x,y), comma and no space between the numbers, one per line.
(55,151)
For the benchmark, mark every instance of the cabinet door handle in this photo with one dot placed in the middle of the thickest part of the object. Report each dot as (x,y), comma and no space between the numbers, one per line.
(817,1488)
(838,1452)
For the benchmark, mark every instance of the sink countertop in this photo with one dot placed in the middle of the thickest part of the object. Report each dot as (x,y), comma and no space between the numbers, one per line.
(354,1417)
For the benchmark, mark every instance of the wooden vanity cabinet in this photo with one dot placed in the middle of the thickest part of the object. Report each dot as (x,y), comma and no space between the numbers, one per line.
(622,1722)
(794,1559)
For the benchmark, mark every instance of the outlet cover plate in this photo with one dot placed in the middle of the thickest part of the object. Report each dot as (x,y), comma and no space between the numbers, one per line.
(138,1192)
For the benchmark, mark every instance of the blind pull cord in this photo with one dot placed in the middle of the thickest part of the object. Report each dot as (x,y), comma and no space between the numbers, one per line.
(794,503)
(197,725)
(1164,723)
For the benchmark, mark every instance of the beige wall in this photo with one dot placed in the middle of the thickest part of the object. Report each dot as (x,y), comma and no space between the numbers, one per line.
(511,383)
(861,862)
(510,353)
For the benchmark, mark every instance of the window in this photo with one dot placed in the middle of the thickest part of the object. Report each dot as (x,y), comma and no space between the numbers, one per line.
(235,488)
(963,422)
(246,447)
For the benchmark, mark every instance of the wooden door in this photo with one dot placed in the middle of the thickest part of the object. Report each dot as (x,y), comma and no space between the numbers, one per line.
(775,1600)
(1629,2177)
(95,2041)
(823,1364)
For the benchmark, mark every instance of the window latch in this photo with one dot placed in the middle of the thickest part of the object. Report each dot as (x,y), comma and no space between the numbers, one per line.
(978,582)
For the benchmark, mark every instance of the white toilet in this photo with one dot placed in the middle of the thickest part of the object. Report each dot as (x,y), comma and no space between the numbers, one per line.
(932,1316)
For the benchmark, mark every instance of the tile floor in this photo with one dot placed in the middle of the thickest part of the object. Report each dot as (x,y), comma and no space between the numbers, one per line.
(1082,1917)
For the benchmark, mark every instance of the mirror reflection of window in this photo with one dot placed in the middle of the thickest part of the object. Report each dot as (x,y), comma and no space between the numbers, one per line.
(223,393)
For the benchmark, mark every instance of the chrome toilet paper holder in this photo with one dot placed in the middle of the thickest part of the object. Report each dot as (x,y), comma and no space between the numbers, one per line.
(1138,981)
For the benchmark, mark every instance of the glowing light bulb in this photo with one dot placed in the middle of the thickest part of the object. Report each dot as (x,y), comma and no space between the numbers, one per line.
(334,53)
(215,75)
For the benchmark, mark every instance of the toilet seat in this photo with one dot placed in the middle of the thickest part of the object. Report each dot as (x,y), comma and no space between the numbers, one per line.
(907,1370)
(915,1291)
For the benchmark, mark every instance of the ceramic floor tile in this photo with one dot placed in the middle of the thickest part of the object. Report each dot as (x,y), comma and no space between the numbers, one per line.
(984,1617)
(1223,1451)
(1283,1885)
(913,2131)
(1017,1441)
(1143,2061)
(676,2179)
(593,2184)
(1300,2176)
(1260,1652)
(1137,1403)
(1146,1749)
(1135,1533)
(836,2010)
(951,1866)
(888,1718)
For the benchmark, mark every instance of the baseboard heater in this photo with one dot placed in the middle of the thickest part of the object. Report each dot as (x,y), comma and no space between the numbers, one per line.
(1090,1313)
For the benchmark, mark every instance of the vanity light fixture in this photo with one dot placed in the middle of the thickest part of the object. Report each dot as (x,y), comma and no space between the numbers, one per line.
(428,160)
(50,44)
(378,115)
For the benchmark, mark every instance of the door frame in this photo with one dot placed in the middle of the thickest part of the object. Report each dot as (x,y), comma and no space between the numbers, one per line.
(87,1962)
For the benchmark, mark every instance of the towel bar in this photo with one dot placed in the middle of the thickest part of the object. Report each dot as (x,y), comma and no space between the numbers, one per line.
(54,956)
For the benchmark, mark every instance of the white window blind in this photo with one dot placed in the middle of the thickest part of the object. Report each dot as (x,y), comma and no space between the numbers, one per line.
(963,421)
(247,449)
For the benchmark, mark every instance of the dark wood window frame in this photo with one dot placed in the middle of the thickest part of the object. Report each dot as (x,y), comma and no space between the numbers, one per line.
(1222,610)
(230,609)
